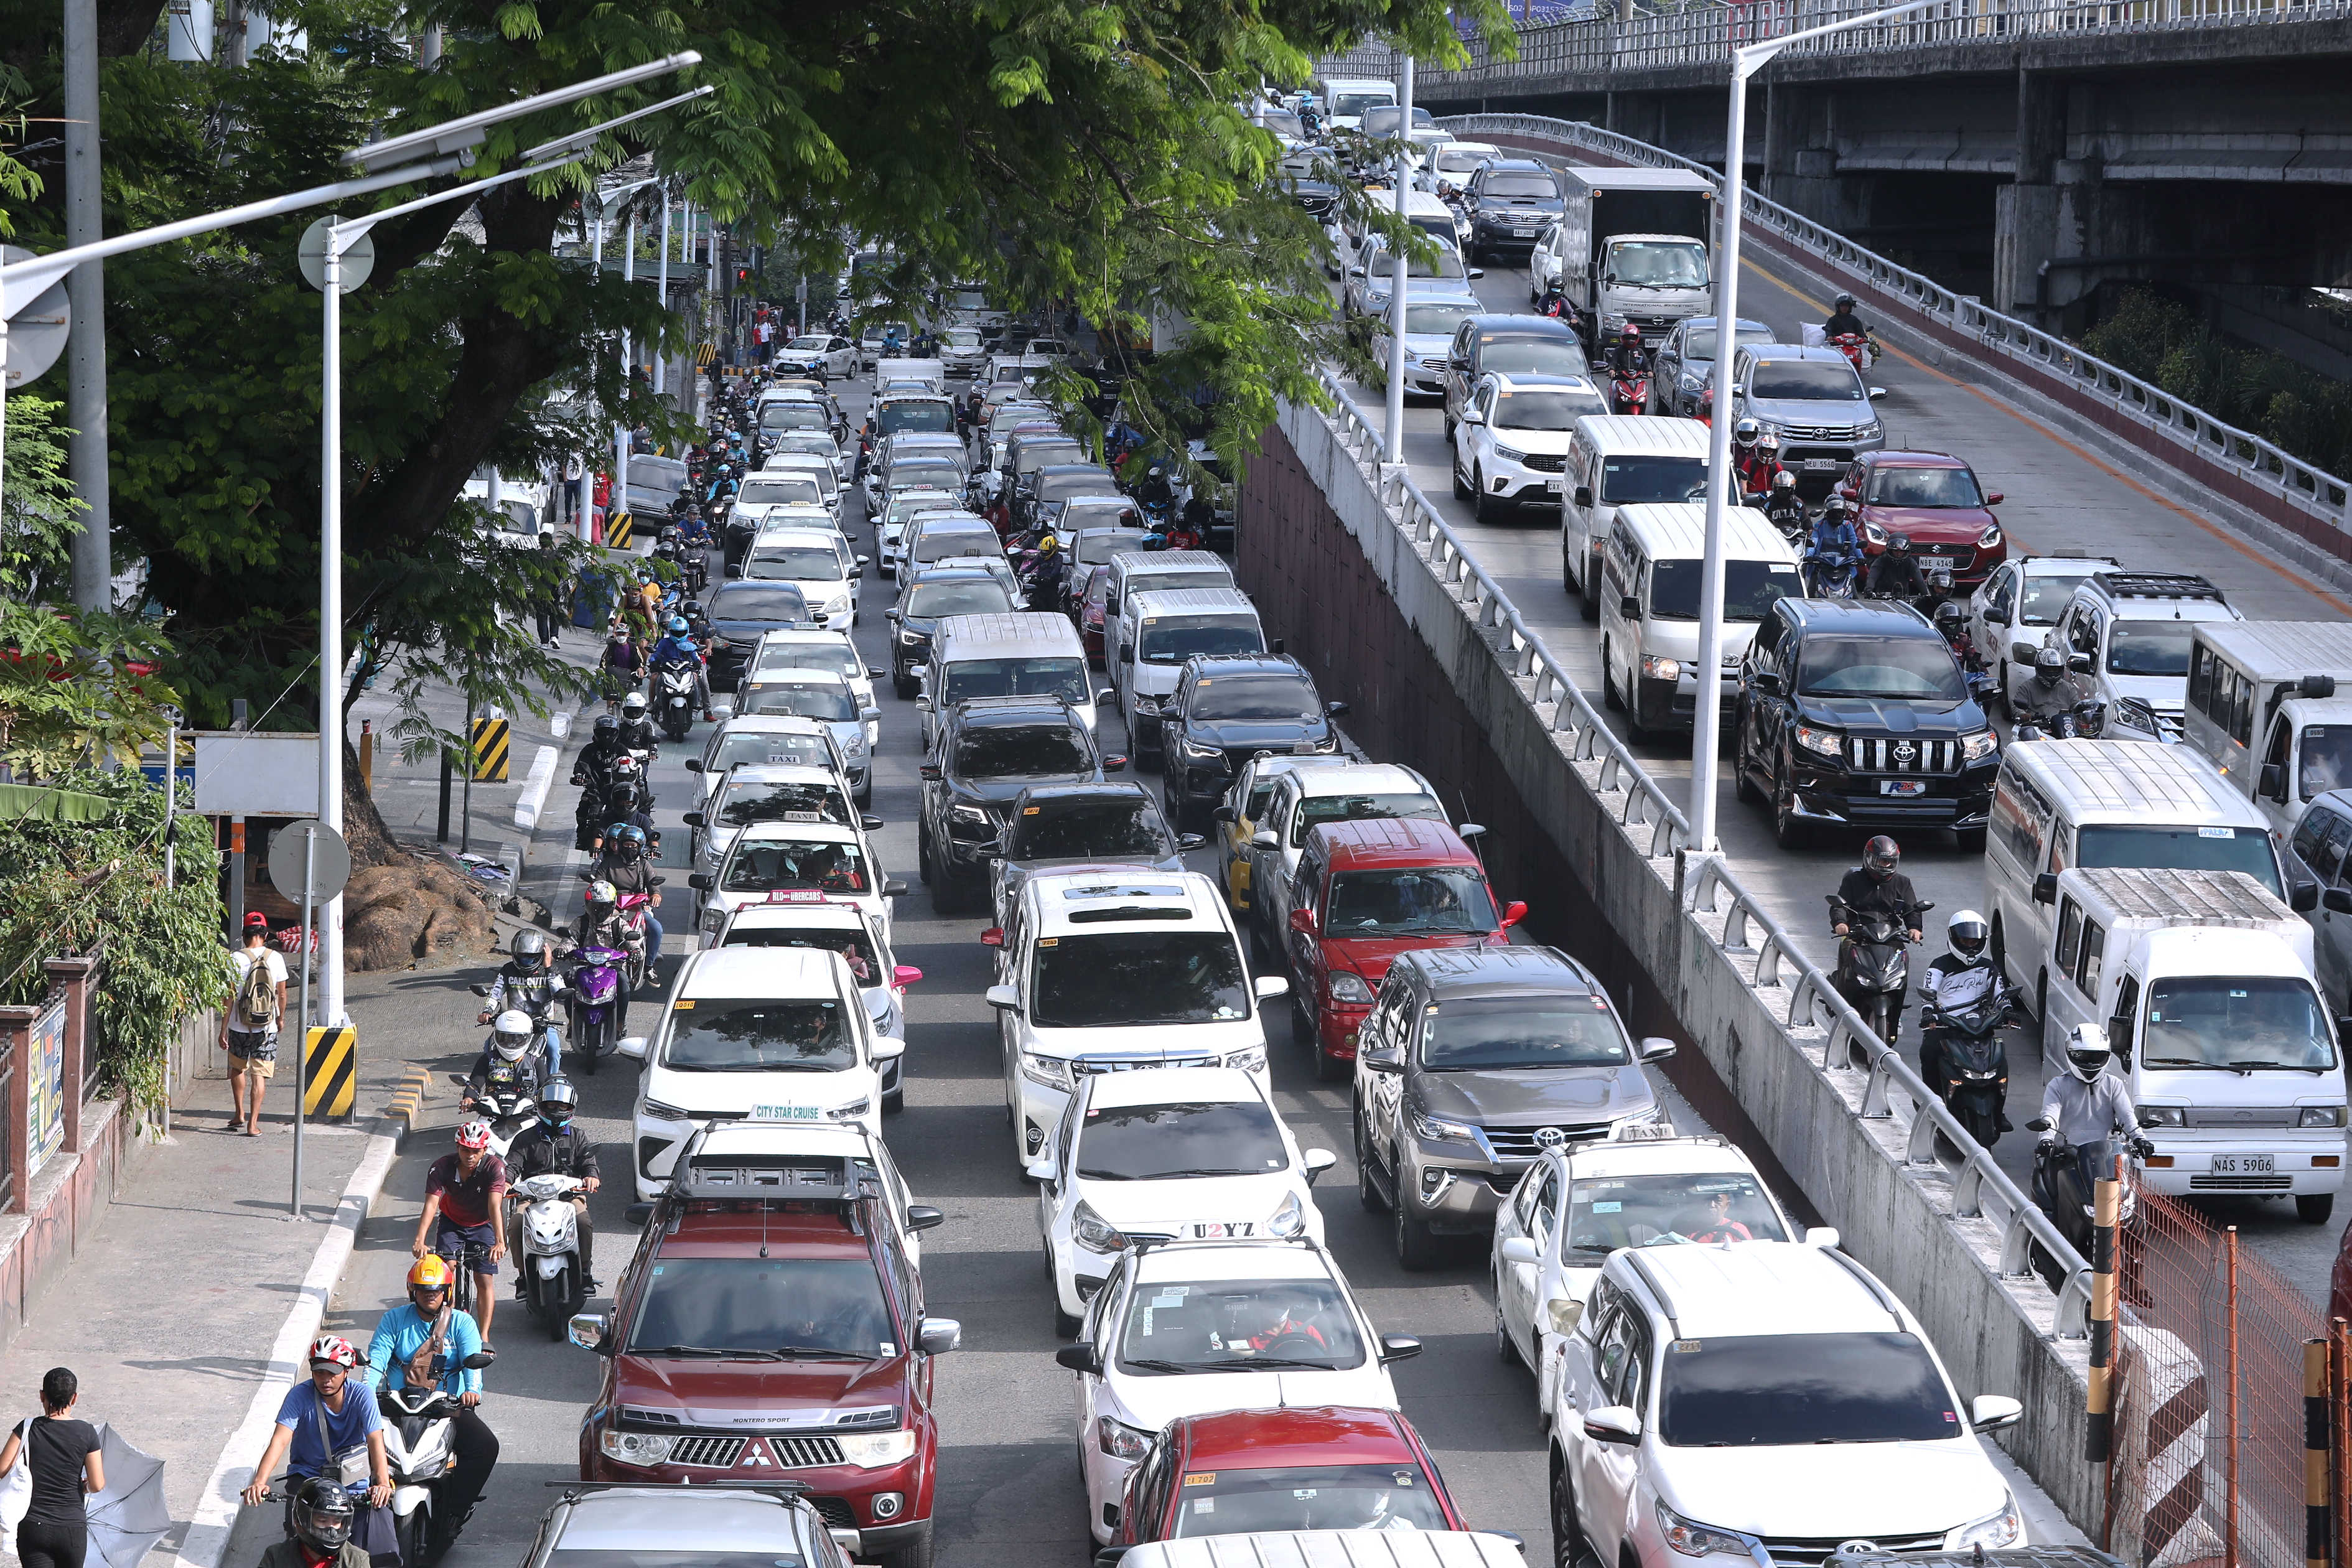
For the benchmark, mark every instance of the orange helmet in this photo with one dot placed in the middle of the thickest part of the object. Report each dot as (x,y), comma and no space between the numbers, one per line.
(430,1272)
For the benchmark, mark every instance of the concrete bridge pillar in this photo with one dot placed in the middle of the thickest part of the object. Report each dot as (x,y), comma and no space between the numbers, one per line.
(2029,228)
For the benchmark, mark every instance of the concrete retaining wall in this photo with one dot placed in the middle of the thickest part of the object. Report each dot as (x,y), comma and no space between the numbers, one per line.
(1337,574)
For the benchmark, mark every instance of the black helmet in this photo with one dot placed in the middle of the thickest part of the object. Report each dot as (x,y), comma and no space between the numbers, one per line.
(557,1100)
(1845,302)
(1899,542)
(1966,933)
(2049,664)
(608,729)
(1949,616)
(323,1515)
(1881,856)
(1834,507)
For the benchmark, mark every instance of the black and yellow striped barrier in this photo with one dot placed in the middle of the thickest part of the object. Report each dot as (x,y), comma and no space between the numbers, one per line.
(331,1073)
(618,530)
(705,354)
(491,751)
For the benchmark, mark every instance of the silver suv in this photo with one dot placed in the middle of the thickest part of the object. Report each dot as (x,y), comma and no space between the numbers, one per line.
(1814,400)
(1472,1061)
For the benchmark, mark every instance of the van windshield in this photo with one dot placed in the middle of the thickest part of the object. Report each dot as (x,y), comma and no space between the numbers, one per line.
(2134,847)
(2236,1024)
(1633,480)
(1748,589)
(2150,648)
(1172,639)
(2325,759)
(1015,677)
(923,415)
(1136,979)
(1351,105)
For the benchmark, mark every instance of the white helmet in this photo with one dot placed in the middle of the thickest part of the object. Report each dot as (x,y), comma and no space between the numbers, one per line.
(1965,932)
(2086,1053)
(510,1034)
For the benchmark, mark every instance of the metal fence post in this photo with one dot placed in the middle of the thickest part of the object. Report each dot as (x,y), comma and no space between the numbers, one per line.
(2317,1439)
(2107,1213)
(2230,1404)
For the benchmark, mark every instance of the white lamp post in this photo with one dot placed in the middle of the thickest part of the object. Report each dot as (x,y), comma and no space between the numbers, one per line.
(1708,720)
(1396,306)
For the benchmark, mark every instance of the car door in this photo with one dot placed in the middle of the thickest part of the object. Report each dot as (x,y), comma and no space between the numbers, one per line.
(1269,888)
(1474,440)
(1306,948)
(1531,1212)
(1458,359)
(2319,843)
(1666,372)
(1059,1193)
(1104,1478)
(1612,1471)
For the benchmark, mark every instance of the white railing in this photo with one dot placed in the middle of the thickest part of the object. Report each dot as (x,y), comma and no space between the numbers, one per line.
(2005,340)
(1893,1091)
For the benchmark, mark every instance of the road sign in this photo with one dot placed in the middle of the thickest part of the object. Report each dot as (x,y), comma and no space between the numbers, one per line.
(359,256)
(329,861)
(37,332)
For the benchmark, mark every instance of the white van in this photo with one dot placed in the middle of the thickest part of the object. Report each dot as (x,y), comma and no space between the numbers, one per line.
(1022,654)
(2272,684)
(1621,459)
(1157,631)
(1344,98)
(2059,803)
(2202,981)
(1649,605)
(1157,570)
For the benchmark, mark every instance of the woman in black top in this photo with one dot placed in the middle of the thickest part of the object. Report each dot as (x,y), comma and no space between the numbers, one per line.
(66,1465)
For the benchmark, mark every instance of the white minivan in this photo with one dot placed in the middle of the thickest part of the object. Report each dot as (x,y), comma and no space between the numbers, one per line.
(1649,605)
(1022,654)
(1156,632)
(1621,459)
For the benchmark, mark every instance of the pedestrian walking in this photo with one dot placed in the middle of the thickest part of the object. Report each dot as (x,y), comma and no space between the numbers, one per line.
(249,1024)
(63,1456)
(553,589)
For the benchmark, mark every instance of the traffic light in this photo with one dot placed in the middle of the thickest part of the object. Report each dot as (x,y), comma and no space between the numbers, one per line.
(742,275)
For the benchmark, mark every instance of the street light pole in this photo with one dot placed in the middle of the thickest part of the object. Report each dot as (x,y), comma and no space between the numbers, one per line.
(1707,719)
(1395,442)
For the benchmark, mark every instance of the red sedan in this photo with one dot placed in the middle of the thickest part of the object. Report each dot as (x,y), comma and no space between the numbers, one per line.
(1933,498)
(1242,1471)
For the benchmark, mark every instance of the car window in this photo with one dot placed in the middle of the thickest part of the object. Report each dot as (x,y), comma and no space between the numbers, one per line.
(2070,934)
(766,865)
(1543,1213)
(2095,944)
(1753,1390)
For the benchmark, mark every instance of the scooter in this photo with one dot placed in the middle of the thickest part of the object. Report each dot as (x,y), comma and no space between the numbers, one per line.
(674,699)
(1859,350)
(1874,971)
(554,1283)
(2058,1184)
(419,1443)
(2086,720)
(1832,577)
(633,908)
(1975,1061)
(506,1103)
(595,997)
(1630,394)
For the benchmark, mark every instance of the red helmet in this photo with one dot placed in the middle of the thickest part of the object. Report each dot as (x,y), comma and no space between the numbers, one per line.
(474,1134)
(1631,337)
(336,1348)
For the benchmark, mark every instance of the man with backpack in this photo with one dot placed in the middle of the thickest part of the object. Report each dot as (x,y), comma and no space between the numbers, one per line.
(249,1024)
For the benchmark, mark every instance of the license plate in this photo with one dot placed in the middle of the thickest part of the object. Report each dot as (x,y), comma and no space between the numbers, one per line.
(1556,487)
(1903,786)
(1525,233)
(2245,1164)
(783,1113)
(1224,1230)
(1821,465)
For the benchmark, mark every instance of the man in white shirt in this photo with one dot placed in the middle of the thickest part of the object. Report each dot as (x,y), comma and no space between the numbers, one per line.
(249,1023)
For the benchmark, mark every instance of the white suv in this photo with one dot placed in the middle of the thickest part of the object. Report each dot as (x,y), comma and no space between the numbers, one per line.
(812,920)
(1511,440)
(1305,796)
(2126,634)
(1765,1402)
(1112,969)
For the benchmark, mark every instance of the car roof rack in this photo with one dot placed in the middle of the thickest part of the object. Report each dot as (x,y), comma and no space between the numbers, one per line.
(2156,585)
(749,1177)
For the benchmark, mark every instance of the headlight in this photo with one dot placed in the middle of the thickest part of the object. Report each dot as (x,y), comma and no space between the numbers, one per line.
(1653,667)
(1250,1060)
(1510,454)
(1690,381)
(713,919)
(1330,743)
(655,1110)
(1442,1129)
(1196,752)
(2003,1529)
(1697,1540)
(1873,533)
(1095,1233)
(975,815)
(1990,538)
(1052,1071)
(2321,1116)
(1290,1219)
(1347,985)
(1146,704)
(1119,1440)
(912,639)
(1976,748)
(1871,431)
(2177,1116)
(871,1450)
(636,1447)
(837,606)
(1830,743)
(1767,427)
(850,1112)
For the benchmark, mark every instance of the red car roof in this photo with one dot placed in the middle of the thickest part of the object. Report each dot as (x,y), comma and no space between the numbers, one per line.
(1393,841)
(1271,1439)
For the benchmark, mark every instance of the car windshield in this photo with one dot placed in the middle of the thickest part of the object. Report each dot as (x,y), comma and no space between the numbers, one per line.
(1015,677)
(1804,381)
(1318,1497)
(2136,848)
(708,1034)
(913,415)
(904,508)
(794,417)
(1560,355)
(1520,184)
(2150,648)
(815,442)
(1632,480)
(812,341)
(854,950)
(1023,751)
(1081,829)
(764,1304)
(765,865)
(1254,697)
(807,700)
(792,564)
(1282,123)
(2324,760)
(1605,1213)
(1062,486)
(1913,668)
(976,597)
(1754,1391)
(1321,808)
(1172,639)
(751,746)
(759,604)
(2237,1023)
(1891,486)
(1446,263)
(1545,410)
(1421,901)
(1648,264)
(1115,522)
(747,801)
(1698,342)
(762,489)
(1351,105)
(1226,1325)
(2045,597)
(1436,319)
(1520,1032)
(837,658)
(1158,1142)
(961,337)
(926,471)
(1095,980)
(1748,589)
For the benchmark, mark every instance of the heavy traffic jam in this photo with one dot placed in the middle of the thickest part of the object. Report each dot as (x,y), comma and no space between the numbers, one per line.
(1200,908)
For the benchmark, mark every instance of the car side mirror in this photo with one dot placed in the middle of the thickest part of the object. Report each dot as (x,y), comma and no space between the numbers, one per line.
(1877,393)
(1263,838)
(2045,887)
(1629,606)
(694,764)
(1188,842)
(1514,912)
(1270,987)
(888,1049)
(1615,1424)
(1078,1358)
(1996,616)
(2079,663)
(1584,495)
(1126,653)
(1114,763)
(1991,1412)
(2270,784)
(905,975)
(923,1216)
(871,823)
(1477,272)
(1041,1169)
(922,703)
(695,819)
(1519,1249)
(1303,921)
(1470,416)
(1336,710)
(1106,695)
(1379,1059)
(2338,900)
(1995,498)
(586,1330)
(699,881)
(895,887)
(1315,1161)
(930,772)
(2303,897)
(1824,1237)
(1398,1347)
(939,1335)
(1656,1048)
(1765,683)
(1004,998)
(993,937)
(632,1046)
(1355,272)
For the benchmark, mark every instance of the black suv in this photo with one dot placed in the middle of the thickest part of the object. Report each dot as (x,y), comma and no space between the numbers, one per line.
(1052,827)
(1225,709)
(1855,712)
(1512,202)
(741,614)
(1509,345)
(985,752)
(925,598)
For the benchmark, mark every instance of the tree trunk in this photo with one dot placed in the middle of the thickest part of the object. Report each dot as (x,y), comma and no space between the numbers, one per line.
(364,833)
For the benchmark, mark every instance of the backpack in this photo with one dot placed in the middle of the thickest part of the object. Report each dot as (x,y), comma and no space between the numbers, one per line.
(256,993)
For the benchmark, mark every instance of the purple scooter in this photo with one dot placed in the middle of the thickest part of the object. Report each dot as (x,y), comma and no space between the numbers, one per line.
(597,1003)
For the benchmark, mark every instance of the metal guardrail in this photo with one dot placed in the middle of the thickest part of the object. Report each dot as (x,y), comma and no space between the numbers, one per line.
(1980,1189)
(2310,490)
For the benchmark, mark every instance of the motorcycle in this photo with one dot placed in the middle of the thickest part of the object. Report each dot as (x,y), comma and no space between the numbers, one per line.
(506,1103)
(2086,720)
(674,704)
(1629,392)
(2058,1182)
(548,1238)
(419,1436)
(1832,577)
(541,1013)
(633,908)
(595,997)
(1976,1063)
(1873,967)
(1858,350)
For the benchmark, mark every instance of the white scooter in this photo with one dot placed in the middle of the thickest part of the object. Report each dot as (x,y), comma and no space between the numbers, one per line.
(419,1440)
(548,1232)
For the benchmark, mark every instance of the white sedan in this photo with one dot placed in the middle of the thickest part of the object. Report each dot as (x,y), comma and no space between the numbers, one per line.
(820,353)
(1192,1152)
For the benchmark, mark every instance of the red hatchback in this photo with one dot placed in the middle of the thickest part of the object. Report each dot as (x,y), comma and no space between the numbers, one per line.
(1243,1471)
(770,1327)
(1369,889)
(1933,498)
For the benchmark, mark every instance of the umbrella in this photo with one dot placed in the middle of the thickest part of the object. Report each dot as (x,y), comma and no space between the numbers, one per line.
(130,1515)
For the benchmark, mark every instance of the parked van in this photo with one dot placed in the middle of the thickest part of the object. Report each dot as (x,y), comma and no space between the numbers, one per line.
(1157,630)
(1159,570)
(2102,804)
(2271,685)
(1621,459)
(1649,605)
(1022,654)
(2318,851)
(2203,983)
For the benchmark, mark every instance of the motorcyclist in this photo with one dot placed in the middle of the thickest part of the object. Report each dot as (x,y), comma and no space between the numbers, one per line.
(1047,576)
(2083,1106)
(1958,977)
(554,1144)
(637,732)
(599,924)
(624,865)
(1626,358)
(1153,491)
(1878,886)
(624,665)
(1747,453)
(1953,622)
(1832,545)
(425,1341)
(626,806)
(593,769)
(1555,303)
(528,982)
(1895,574)
(2040,699)
(1192,529)
(1842,322)
(697,626)
(1783,507)
(677,646)
(321,1514)
(514,1060)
